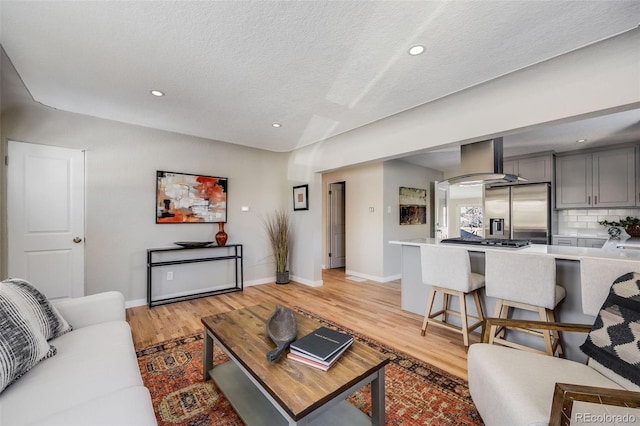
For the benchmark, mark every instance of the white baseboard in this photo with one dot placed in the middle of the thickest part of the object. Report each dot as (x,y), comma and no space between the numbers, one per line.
(134,303)
(291,277)
(374,278)
(307,282)
(141,302)
(259,281)
(365,276)
(392,278)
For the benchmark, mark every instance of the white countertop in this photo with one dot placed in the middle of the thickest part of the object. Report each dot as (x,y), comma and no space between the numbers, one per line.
(595,236)
(609,251)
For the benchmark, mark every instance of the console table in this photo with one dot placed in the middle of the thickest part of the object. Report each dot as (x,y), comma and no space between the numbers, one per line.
(233,253)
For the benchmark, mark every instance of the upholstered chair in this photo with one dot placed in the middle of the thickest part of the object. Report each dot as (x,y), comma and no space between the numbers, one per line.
(517,387)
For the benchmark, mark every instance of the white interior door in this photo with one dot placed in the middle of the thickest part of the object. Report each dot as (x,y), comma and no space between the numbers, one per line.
(336,225)
(45,194)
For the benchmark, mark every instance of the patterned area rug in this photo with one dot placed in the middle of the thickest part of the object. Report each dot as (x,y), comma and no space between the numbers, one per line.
(416,393)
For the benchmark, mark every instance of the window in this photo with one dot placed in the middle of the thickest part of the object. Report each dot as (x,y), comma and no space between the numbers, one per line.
(471,221)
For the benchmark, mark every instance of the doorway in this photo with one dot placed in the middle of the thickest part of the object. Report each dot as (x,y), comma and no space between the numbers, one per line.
(46,218)
(337,253)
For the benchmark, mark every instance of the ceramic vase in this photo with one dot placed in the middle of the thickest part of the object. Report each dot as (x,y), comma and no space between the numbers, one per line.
(282,277)
(633,230)
(221,236)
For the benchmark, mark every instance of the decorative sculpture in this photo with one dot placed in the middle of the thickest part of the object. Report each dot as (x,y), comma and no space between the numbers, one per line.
(282,329)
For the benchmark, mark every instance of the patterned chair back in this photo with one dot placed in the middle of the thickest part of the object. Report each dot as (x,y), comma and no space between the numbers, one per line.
(597,277)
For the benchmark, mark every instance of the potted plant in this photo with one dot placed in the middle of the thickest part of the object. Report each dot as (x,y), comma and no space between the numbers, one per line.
(278,228)
(630,224)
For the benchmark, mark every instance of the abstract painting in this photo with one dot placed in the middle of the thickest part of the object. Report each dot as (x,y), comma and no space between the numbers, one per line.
(188,198)
(413,206)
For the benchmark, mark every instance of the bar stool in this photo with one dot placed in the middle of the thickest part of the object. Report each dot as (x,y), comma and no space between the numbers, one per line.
(448,271)
(524,281)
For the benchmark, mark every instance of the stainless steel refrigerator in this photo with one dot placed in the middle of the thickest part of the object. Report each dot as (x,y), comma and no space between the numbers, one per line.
(518,212)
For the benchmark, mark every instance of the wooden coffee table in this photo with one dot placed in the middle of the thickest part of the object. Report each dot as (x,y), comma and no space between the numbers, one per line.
(288,392)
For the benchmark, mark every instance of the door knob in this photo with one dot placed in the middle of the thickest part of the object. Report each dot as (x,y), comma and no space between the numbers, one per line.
(77,240)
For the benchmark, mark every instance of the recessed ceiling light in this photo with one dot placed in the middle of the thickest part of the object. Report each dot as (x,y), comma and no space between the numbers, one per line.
(277,125)
(581,140)
(157,93)
(416,50)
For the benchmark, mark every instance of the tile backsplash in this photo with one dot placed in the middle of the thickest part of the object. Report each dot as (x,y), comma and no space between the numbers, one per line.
(584,222)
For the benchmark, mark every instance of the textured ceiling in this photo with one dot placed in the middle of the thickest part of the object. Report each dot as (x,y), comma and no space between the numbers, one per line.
(232,68)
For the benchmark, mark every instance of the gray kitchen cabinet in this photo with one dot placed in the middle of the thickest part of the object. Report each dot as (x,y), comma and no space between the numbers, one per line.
(564,241)
(597,179)
(573,181)
(591,242)
(577,241)
(537,168)
(614,178)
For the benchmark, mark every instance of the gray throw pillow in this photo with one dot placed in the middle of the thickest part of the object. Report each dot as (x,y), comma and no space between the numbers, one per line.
(36,307)
(22,344)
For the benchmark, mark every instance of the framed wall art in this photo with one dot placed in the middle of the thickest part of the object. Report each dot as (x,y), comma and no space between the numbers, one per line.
(301,197)
(413,206)
(189,198)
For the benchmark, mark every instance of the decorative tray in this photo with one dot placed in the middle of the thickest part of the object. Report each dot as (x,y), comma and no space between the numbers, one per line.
(193,244)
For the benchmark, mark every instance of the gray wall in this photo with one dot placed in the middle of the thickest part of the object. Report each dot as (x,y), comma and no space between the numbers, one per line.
(396,174)
(376,185)
(364,239)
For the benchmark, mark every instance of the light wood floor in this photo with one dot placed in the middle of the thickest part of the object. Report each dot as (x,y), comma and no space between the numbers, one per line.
(370,308)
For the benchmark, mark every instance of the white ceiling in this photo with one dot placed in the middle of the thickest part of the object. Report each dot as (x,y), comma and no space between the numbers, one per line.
(320,68)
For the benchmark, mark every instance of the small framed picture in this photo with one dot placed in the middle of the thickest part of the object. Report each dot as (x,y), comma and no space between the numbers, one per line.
(301,197)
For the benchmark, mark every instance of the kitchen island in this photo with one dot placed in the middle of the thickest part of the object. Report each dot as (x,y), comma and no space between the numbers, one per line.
(414,293)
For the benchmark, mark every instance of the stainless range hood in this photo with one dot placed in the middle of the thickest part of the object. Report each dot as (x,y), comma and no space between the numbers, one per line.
(481,164)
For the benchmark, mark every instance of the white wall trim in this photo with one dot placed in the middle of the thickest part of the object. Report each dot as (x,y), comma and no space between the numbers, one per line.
(135,303)
(392,278)
(365,276)
(304,281)
(374,278)
(142,302)
(259,281)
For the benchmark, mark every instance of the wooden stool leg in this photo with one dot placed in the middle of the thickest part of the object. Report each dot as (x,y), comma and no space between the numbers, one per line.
(445,306)
(556,336)
(501,311)
(546,333)
(432,295)
(476,299)
(497,313)
(463,318)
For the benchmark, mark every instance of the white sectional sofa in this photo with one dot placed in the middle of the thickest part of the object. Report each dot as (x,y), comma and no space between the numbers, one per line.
(93,379)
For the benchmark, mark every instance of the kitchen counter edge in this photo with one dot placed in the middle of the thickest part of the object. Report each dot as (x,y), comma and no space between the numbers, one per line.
(609,251)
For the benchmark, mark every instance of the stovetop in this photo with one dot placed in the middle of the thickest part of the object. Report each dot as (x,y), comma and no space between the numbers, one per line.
(497,242)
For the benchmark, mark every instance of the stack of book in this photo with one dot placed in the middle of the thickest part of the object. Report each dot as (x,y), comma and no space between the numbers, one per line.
(321,348)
